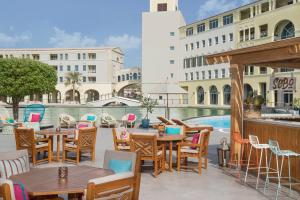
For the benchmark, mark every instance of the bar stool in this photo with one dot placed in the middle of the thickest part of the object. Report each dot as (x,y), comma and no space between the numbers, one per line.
(237,139)
(254,142)
(275,149)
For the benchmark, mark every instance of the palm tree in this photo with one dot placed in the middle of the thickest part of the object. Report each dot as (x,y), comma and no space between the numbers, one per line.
(73,79)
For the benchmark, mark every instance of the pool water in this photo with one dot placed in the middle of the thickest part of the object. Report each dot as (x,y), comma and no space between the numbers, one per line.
(222,122)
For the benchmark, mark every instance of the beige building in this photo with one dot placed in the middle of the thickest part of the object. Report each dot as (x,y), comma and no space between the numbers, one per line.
(254,24)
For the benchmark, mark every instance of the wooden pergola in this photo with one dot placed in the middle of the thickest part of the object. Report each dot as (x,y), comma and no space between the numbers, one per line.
(278,54)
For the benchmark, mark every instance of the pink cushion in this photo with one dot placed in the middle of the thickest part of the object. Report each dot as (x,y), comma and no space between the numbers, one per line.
(35,117)
(131,117)
(195,140)
(83,126)
(20,192)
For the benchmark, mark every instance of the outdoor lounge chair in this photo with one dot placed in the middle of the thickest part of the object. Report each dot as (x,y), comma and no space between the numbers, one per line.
(108,121)
(129,120)
(165,121)
(33,109)
(7,123)
(191,129)
(67,121)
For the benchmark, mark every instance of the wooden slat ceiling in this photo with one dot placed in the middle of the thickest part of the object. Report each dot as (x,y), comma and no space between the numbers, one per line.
(283,53)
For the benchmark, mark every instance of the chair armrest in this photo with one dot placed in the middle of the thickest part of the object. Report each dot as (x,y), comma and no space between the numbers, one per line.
(42,140)
(69,140)
(181,144)
(161,147)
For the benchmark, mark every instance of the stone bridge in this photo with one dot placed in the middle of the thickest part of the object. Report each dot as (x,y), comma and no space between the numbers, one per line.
(115,100)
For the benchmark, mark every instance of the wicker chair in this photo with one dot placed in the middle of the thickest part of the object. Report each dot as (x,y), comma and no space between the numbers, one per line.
(25,139)
(119,143)
(108,121)
(190,150)
(146,145)
(85,142)
(66,121)
(128,122)
(34,108)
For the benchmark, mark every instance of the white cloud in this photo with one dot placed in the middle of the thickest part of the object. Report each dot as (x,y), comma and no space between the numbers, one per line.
(125,42)
(212,7)
(76,39)
(12,40)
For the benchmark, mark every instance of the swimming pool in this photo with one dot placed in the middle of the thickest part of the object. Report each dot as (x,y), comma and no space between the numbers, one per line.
(219,122)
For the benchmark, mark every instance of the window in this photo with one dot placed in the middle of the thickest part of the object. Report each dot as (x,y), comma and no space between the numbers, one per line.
(162,7)
(201,28)
(252,33)
(123,77)
(246,69)
(209,41)
(198,45)
(66,56)
(35,56)
(241,36)
(61,56)
(227,94)
(197,76)
(251,70)
(186,47)
(83,56)
(189,31)
(84,68)
(84,79)
(172,34)
(245,14)
(92,79)
(288,98)
(223,73)
(78,56)
(228,19)
(231,37)
(216,73)
(172,75)
(188,63)
(76,68)
(199,61)
(213,24)
(186,76)
(263,29)
(246,34)
(203,75)
(127,77)
(61,79)
(192,46)
(92,68)
(92,56)
(224,38)
(172,48)
(53,56)
(213,95)
(265,7)
(69,68)
(217,40)
(203,43)
(263,70)
(192,76)
(204,61)
(61,68)
(200,95)
(194,60)
(172,62)
(135,76)
(209,74)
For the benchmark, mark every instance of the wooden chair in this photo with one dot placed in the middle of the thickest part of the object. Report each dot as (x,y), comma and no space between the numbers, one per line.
(186,150)
(165,121)
(84,142)
(119,143)
(25,139)
(6,189)
(118,186)
(191,129)
(146,145)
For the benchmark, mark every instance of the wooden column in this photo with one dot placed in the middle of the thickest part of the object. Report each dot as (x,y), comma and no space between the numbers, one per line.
(237,91)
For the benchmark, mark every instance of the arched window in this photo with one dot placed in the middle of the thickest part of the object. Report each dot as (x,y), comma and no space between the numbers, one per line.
(119,78)
(248,91)
(127,77)
(213,95)
(134,76)
(284,29)
(226,93)
(200,95)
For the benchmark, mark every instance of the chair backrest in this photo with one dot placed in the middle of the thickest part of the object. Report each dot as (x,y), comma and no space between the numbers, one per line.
(87,137)
(274,146)
(24,138)
(180,122)
(165,121)
(6,189)
(204,141)
(66,119)
(253,139)
(34,108)
(182,128)
(145,144)
(119,155)
(85,117)
(107,117)
(14,154)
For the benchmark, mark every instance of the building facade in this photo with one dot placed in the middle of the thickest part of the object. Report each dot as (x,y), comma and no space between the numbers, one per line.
(250,25)
(100,69)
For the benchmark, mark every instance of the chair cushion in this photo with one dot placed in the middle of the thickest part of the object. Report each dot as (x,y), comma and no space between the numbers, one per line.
(70,145)
(188,150)
(119,166)
(111,178)
(173,130)
(14,166)
(123,147)
(41,145)
(34,117)
(131,117)
(91,118)
(195,140)
(20,192)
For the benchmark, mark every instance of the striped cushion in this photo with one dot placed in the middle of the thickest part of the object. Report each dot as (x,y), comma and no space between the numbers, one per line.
(14,167)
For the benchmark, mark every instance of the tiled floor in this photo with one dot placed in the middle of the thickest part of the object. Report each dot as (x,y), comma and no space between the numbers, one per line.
(212,184)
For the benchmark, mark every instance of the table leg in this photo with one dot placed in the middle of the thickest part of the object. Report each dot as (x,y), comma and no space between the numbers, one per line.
(58,139)
(75,196)
(170,156)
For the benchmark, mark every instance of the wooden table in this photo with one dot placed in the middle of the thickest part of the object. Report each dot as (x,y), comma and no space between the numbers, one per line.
(59,138)
(170,139)
(44,181)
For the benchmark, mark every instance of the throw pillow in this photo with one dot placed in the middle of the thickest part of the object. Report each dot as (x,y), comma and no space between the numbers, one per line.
(20,192)
(14,167)
(173,131)
(195,140)
(131,117)
(120,166)
(35,117)
(90,118)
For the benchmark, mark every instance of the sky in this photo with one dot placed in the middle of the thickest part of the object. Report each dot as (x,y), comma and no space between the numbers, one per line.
(89,23)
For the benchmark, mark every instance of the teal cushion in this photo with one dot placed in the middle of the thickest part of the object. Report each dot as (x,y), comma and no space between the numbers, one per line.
(119,166)
(173,131)
(90,118)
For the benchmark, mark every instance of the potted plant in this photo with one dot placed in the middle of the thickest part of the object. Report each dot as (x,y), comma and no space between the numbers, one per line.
(253,106)
(149,104)
(296,104)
